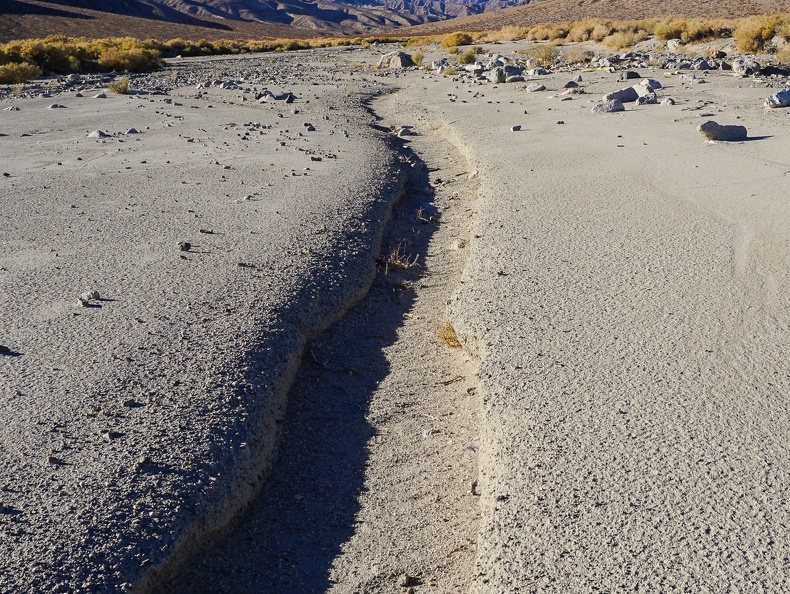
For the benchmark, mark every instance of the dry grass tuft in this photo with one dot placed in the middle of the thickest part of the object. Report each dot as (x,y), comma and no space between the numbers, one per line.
(120,85)
(446,333)
(399,259)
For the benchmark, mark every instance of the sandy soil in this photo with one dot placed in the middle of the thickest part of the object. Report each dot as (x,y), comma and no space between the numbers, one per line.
(622,307)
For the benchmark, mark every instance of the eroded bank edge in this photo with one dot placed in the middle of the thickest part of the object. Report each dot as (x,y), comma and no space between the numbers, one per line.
(249,478)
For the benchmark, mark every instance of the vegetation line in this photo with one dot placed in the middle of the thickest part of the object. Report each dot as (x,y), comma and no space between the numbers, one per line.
(21,61)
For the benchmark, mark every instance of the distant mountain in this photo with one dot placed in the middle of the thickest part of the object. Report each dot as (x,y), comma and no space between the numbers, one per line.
(228,18)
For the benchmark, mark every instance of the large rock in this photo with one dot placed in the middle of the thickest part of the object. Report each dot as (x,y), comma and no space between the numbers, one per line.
(609,106)
(780,99)
(710,130)
(647,98)
(396,60)
(624,95)
(496,75)
(646,87)
(745,66)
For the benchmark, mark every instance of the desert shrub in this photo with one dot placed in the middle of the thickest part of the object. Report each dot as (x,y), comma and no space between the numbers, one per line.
(456,39)
(600,31)
(18,73)
(467,57)
(507,33)
(120,85)
(417,58)
(295,44)
(543,55)
(624,39)
(133,60)
(752,33)
(574,55)
(547,32)
(783,56)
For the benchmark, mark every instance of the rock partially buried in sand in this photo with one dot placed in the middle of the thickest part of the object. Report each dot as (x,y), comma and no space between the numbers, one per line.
(668,101)
(609,106)
(535,87)
(100,96)
(98,134)
(623,95)
(744,66)
(184,246)
(710,130)
(780,99)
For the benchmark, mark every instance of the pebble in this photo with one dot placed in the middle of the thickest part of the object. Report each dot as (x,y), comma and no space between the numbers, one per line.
(98,134)
(515,128)
(184,246)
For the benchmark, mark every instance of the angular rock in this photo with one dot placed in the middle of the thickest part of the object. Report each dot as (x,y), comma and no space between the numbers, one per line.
(673,44)
(395,60)
(98,134)
(668,101)
(624,95)
(629,74)
(710,130)
(535,87)
(571,84)
(780,99)
(744,66)
(610,106)
(514,79)
(497,75)
(647,98)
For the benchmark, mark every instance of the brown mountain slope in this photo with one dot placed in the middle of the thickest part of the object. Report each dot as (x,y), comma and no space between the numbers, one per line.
(156,19)
(555,11)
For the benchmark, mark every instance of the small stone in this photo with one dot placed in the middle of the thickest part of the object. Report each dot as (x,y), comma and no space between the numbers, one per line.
(535,87)
(132,131)
(668,101)
(98,134)
(4,350)
(101,95)
(710,130)
(405,580)
(184,246)
(56,106)
(515,128)
(314,158)
(458,244)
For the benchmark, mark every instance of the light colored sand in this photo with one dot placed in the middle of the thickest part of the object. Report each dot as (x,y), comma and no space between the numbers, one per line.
(628,293)
(185,360)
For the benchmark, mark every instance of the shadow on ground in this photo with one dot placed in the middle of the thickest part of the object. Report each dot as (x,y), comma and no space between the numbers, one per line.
(288,539)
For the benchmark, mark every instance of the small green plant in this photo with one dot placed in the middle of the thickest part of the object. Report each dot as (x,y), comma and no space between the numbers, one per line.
(120,85)
(467,57)
(417,58)
(445,332)
(18,73)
